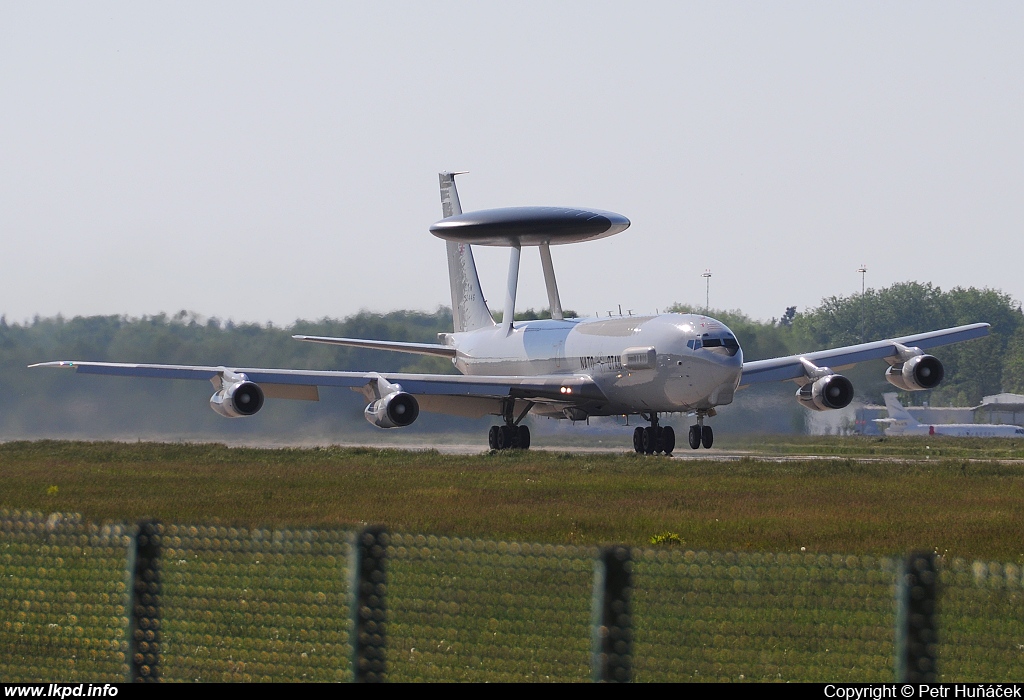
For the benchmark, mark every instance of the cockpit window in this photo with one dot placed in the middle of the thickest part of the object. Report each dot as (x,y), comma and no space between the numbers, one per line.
(726,345)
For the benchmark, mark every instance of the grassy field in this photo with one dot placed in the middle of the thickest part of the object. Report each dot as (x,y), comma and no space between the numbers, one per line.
(797,585)
(930,495)
(908,447)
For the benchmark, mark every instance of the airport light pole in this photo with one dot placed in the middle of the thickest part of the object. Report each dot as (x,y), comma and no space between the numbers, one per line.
(707,290)
(863,270)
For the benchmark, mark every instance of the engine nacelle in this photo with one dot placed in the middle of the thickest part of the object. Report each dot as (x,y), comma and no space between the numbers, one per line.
(828,393)
(237,400)
(919,373)
(395,410)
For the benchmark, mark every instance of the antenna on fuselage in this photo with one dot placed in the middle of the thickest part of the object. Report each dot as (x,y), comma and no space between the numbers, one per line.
(515,227)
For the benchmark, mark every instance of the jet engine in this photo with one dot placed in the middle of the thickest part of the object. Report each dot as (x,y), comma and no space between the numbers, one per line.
(828,393)
(237,399)
(395,410)
(916,374)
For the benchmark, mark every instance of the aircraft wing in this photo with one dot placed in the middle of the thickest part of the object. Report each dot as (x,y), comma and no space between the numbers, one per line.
(782,368)
(446,393)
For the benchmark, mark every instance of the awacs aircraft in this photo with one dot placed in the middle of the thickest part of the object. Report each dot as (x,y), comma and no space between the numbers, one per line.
(560,367)
(900,422)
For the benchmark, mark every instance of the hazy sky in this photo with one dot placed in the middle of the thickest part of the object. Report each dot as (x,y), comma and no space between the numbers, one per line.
(261,161)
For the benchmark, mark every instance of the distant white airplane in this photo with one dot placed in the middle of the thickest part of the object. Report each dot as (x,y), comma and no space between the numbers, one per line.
(900,422)
(559,367)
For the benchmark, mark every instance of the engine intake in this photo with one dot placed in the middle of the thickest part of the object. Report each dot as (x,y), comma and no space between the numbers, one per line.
(237,400)
(828,393)
(395,410)
(919,373)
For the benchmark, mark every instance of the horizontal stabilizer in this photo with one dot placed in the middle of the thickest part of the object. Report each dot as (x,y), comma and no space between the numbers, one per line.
(416,348)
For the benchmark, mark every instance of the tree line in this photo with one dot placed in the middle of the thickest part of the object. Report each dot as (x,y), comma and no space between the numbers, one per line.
(43,402)
(974,369)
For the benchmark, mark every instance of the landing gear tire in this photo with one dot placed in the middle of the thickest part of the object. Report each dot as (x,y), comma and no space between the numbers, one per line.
(494,437)
(650,440)
(694,436)
(506,436)
(638,440)
(668,440)
(524,437)
(707,437)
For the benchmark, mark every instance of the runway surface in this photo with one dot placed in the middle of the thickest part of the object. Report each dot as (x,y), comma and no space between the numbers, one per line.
(610,447)
(712,455)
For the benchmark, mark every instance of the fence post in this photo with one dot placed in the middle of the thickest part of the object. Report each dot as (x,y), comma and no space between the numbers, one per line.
(144,635)
(917,619)
(611,617)
(367,594)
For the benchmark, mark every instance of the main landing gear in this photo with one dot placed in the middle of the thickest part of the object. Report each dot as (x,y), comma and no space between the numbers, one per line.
(512,435)
(509,437)
(654,439)
(701,434)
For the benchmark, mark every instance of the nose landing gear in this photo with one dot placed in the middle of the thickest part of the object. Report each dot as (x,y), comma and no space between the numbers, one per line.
(654,439)
(701,434)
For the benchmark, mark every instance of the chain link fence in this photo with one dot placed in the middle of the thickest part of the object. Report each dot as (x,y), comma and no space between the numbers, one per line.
(177,602)
(64,597)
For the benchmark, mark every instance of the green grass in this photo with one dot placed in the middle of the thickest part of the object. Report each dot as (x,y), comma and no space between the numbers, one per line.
(748,584)
(910,447)
(966,508)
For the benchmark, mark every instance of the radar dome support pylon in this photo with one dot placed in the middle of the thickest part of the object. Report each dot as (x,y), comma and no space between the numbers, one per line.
(554,302)
(515,227)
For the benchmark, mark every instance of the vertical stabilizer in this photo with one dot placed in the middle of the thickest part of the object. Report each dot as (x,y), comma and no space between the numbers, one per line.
(469,309)
(897,411)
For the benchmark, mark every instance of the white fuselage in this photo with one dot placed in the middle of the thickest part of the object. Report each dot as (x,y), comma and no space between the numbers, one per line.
(696,364)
